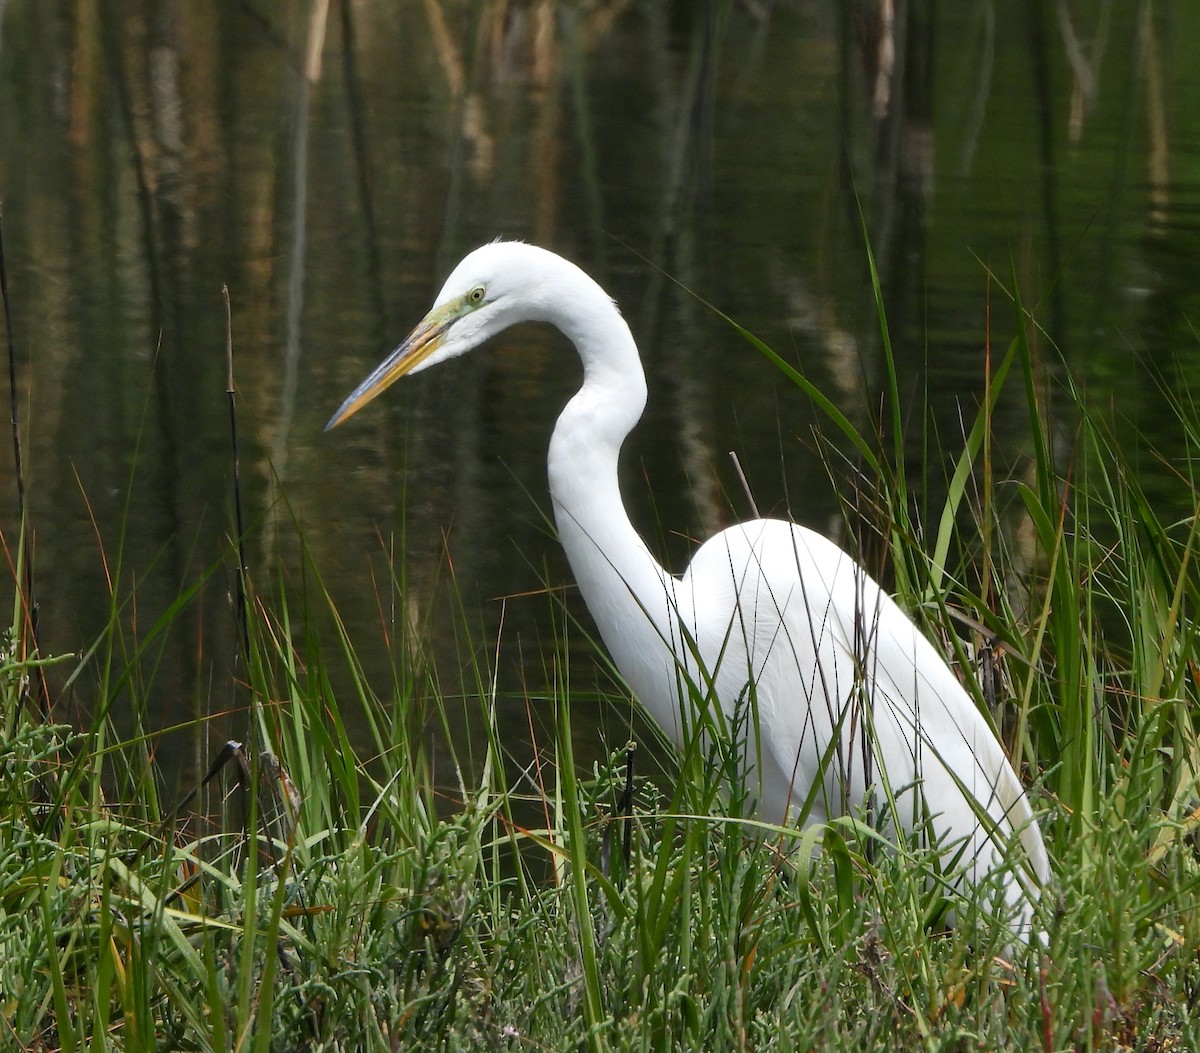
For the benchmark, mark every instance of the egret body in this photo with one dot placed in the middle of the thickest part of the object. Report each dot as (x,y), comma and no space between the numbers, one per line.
(849,698)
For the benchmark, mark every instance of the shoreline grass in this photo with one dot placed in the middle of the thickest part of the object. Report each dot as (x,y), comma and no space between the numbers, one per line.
(327,904)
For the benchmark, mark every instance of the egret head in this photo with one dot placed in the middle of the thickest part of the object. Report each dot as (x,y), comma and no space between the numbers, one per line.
(493,287)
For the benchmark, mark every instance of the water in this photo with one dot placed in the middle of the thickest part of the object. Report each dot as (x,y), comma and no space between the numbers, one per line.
(153,154)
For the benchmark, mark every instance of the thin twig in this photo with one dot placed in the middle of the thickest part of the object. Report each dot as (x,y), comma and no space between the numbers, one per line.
(29,607)
(230,392)
(12,376)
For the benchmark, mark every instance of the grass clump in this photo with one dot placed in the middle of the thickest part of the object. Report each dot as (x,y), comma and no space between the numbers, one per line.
(324,900)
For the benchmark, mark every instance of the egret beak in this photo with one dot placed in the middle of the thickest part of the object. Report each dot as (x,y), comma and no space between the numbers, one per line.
(420,344)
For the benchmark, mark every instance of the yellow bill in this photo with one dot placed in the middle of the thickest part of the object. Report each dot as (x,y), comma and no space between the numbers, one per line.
(420,344)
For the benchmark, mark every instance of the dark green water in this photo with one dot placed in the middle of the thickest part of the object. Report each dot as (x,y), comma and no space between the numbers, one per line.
(151,152)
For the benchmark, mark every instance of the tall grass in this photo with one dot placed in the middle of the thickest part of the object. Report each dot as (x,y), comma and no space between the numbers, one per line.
(328,903)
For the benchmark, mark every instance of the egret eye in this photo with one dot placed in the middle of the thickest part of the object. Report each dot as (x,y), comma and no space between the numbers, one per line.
(476,295)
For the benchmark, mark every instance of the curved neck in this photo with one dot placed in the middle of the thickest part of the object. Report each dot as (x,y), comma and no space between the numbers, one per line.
(621,582)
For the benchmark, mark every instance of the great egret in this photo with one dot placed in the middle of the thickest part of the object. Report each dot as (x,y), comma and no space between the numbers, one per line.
(850,702)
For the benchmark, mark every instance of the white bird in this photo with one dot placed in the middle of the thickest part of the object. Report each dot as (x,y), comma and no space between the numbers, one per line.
(848,702)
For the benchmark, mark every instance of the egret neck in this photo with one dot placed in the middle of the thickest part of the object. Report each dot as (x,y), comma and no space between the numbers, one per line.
(625,588)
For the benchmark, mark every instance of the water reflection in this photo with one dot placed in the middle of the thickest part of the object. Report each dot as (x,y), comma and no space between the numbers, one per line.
(331,162)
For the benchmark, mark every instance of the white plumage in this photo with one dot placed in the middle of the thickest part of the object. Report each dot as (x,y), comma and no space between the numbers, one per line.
(850,701)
